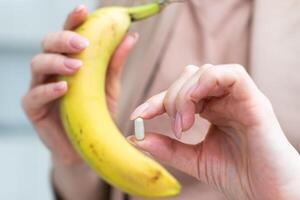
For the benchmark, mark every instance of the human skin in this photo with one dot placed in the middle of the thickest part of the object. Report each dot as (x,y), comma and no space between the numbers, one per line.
(245,154)
(72,177)
(243,160)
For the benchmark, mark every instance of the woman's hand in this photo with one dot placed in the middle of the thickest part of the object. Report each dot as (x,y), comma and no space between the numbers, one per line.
(41,101)
(245,154)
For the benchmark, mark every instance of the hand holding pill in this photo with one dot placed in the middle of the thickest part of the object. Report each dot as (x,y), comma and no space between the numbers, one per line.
(244,146)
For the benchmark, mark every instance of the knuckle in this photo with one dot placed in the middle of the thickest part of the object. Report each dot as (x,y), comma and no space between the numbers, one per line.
(54,62)
(46,90)
(61,40)
(239,68)
(190,68)
(34,62)
(211,72)
(64,38)
(63,35)
(207,66)
(45,40)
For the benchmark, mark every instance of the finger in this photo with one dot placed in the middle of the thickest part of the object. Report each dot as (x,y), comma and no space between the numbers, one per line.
(175,88)
(153,107)
(121,54)
(64,42)
(76,17)
(43,65)
(115,68)
(169,151)
(170,99)
(39,97)
(185,107)
(204,85)
(222,79)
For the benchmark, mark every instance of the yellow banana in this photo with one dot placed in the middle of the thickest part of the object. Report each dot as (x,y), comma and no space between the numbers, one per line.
(87,120)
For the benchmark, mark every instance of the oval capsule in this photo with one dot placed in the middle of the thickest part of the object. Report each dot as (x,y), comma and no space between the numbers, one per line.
(139,129)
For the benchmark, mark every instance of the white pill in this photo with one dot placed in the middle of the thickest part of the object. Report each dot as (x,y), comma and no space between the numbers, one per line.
(139,129)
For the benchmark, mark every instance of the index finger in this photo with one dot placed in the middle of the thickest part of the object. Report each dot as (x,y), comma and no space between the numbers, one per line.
(216,82)
(151,108)
(76,17)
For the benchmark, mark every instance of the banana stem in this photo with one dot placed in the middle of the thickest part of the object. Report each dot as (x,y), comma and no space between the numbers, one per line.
(148,10)
(145,11)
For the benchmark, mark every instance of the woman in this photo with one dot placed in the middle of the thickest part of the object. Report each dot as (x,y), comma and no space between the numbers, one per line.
(236,31)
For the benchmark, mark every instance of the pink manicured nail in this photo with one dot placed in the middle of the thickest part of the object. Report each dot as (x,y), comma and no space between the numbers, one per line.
(79,42)
(72,64)
(135,36)
(139,110)
(79,8)
(138,144)
(60,86)
(131,139)
(178,126)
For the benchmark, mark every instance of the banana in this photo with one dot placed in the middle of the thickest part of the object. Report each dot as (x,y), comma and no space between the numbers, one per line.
(86,118)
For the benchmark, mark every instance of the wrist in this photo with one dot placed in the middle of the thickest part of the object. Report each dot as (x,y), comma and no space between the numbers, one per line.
(73,165)
(76,181)
(67,161)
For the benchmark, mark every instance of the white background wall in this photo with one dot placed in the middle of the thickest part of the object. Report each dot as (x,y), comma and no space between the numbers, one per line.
(24,162)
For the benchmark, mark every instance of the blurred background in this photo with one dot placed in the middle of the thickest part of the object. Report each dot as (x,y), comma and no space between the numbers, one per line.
(25,162)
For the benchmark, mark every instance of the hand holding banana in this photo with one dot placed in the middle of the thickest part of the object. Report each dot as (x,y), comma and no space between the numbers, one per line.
(86,117)
(41,105)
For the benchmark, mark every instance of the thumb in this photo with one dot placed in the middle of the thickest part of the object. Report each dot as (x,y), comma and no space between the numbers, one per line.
(169,151)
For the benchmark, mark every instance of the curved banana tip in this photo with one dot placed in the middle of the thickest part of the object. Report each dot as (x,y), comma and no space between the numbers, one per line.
(174,191)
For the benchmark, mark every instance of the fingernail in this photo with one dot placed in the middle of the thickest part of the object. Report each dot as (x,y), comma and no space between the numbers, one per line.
(134,35)
(79,42)
(79,8)
(178,126)
(132,140)
(60,86)
(72,64)
(139,110)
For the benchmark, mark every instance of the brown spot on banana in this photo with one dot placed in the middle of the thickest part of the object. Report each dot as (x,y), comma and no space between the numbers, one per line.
(156,176)
(95,153)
